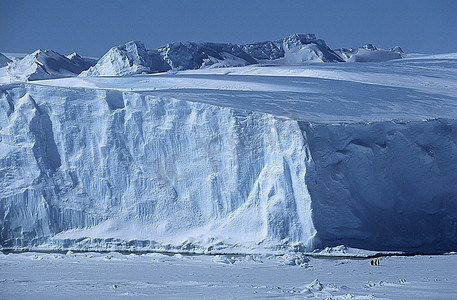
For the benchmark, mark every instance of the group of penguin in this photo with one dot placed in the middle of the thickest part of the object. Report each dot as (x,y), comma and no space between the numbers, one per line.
(375,262)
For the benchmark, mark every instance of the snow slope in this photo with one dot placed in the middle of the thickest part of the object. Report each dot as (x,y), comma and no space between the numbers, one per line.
(39,65)
(82,62)
(250,159)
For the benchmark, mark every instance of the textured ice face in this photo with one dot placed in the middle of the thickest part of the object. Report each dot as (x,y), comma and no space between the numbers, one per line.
(91,168)
(132,167)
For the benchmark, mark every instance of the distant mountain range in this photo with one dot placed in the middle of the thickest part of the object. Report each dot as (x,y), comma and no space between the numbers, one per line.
(133,58)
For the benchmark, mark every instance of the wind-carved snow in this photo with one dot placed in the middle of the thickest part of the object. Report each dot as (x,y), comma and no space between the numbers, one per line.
(198,161)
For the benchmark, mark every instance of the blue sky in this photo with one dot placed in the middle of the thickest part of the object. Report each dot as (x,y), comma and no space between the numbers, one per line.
(91,27)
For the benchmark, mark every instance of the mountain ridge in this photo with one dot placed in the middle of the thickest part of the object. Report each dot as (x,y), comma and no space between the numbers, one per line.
(134,58)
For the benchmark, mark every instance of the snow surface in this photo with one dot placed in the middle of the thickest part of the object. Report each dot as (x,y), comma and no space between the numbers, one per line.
(252,159)
(157,276)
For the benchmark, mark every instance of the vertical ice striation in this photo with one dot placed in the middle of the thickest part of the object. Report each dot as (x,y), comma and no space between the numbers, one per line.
(106,164)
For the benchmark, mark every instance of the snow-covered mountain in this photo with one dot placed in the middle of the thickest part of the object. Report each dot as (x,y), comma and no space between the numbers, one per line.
(269,158)
(370,53)
(133,58)
(128,59)
(41,64)
(297,48)
(196,55)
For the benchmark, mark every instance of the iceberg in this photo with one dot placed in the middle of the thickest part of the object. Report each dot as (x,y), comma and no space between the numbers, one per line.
(128,59)
(266,159)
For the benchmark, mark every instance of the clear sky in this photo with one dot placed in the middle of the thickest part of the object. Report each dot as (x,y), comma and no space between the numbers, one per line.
(91,27)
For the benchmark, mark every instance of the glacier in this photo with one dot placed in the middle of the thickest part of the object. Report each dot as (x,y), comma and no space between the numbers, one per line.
(234,160)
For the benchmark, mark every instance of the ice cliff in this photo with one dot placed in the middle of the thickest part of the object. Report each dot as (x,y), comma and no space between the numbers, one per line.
(232,163)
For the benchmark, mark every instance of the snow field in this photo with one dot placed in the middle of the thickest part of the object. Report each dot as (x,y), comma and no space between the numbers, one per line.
(113,275)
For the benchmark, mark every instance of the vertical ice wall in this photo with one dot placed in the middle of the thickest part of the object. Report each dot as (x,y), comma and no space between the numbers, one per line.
(106,164)
(84,167)
(386,185)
